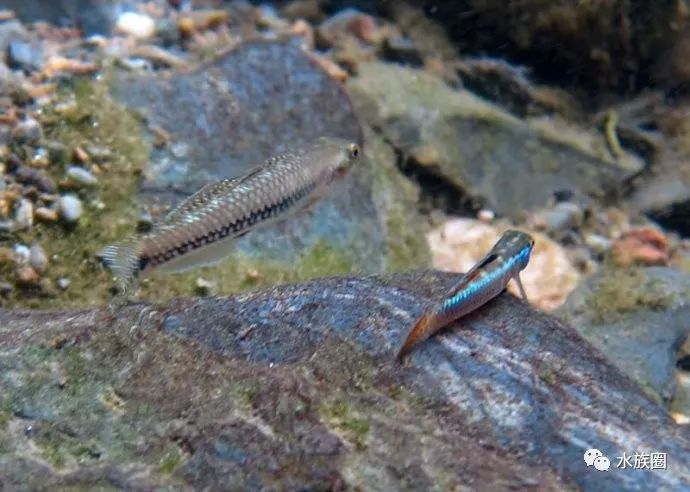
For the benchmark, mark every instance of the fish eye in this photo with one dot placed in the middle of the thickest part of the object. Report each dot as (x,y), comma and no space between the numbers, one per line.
(353,151)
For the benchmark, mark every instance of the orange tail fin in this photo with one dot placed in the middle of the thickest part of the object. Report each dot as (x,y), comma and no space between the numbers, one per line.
(423,329)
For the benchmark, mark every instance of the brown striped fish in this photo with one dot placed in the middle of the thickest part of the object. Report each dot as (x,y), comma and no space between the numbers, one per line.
(201,229)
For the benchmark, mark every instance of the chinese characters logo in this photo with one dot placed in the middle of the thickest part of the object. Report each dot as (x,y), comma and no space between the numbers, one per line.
(636,461)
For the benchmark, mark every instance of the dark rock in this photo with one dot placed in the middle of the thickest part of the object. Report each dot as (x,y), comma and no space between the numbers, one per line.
(402,50)
(296,388)
(482,151)
(254,102)
(35,177)
(28,131)
(246,106)
(638,318)
(497,81)
(92,16)
(665,197)
(23,56)
(11,30)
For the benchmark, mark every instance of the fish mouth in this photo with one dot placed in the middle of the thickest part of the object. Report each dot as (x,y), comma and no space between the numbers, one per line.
(340,173)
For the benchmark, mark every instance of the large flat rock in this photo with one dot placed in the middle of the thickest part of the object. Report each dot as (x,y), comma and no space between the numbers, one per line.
(295,387)
(481,150)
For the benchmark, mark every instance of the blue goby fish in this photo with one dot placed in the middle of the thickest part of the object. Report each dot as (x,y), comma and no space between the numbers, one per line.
(484,281)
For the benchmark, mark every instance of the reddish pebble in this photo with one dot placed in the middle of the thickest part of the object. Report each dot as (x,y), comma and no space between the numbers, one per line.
(27,277)
(642,245)
(364,27)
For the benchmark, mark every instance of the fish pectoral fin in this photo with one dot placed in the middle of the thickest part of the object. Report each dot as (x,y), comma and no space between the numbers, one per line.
(521,287)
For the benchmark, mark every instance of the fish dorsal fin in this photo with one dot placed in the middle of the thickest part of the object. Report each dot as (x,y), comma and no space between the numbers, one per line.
(205,194)
(200,198)
(472,273)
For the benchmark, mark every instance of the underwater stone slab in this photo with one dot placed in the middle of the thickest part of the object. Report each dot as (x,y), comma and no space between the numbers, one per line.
(92,16)
(638,318)
(484,152)
(296,387)
(231,114)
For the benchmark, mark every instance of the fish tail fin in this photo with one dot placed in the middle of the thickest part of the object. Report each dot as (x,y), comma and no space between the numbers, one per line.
(423,329)
(122,259)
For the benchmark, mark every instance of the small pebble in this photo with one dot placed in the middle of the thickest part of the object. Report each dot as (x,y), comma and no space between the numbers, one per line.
(24,215)
(6,226)
(136,25)
(70,208)
(402,50)
(28,131)
(641,245)
(348,21)
(198,21)
(23,56)
(45,214)
(22,253)
(35,177)
(597,243)
(98,153)
(81,176)
(486,215)
(5,289)
(204,287)
(564,215)
(37,258)
(63,283)
(80,154)
(27,277)
(5,206)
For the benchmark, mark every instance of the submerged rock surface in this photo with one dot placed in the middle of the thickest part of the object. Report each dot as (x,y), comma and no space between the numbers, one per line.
(638,318)
(295,387)
(480,150)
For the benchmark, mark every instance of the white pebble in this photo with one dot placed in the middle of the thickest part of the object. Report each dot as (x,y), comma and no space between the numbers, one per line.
(23,253)
(37,258)
(24,215)
(486,215)
(63,283)
(81,176)
(564,215)
(204,287)
(70,208)
(598,243)
(135,25)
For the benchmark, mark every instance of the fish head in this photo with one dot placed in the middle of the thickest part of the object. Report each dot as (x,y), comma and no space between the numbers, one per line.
(335,157)
(515,244)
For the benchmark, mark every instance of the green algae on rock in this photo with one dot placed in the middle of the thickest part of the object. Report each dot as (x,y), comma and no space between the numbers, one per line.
(85,116)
